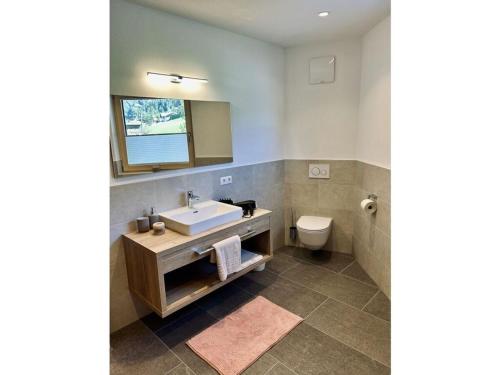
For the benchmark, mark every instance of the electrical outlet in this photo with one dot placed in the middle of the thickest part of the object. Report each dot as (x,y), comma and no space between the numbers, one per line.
(226,180)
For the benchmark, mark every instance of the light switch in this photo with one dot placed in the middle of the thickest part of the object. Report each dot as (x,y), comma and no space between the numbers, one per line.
(319,171)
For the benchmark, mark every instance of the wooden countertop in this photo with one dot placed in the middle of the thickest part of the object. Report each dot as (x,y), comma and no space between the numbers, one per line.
(172,240)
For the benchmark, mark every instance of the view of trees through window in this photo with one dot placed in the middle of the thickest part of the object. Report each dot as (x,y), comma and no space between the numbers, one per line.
(154,116)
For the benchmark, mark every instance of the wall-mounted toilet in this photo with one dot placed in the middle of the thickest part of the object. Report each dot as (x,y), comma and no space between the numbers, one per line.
(314,231)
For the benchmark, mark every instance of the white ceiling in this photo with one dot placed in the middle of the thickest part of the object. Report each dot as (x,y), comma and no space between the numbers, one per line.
(283,22)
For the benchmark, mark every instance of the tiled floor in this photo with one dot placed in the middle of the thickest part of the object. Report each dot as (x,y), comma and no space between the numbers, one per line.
(346,328)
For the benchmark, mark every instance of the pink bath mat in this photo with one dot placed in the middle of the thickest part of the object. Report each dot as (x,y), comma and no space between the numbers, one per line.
(234,343)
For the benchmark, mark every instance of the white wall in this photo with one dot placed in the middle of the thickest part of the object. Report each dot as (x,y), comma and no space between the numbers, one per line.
(374,133)
(321,120)
(241,70)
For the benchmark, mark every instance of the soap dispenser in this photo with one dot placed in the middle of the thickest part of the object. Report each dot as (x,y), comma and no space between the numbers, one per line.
(153,218)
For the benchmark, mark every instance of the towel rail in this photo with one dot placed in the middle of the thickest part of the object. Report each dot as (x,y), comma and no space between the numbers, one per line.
(242,237)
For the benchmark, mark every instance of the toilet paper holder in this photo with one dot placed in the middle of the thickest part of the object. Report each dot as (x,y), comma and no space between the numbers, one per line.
(372,196)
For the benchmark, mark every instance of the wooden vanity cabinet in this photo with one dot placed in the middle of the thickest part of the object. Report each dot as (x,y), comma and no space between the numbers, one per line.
(167,273)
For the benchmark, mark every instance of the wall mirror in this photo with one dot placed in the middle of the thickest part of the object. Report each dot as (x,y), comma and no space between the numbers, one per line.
(153,134)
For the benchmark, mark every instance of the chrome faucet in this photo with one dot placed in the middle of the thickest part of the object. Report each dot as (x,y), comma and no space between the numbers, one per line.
(190,198)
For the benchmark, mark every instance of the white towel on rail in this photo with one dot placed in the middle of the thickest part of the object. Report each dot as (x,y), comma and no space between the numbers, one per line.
(228,255)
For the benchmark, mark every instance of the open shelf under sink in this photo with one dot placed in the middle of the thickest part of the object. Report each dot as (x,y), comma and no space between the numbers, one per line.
(193,281)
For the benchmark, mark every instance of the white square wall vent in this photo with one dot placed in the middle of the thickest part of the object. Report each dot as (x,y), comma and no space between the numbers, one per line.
(319,170)
(321,70)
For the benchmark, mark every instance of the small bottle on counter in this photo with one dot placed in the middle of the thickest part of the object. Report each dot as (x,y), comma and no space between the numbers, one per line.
(153,218)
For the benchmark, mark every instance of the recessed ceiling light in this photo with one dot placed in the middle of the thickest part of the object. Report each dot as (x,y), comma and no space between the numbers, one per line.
(323,14)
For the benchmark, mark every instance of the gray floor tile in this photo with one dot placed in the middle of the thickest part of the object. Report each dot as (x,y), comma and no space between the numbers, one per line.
(263,364)
(154,322)
(308,351)
(355,271)
(224,300)
(380,306)
(280,262)
(136,350)
(182,369)
(355,328)
(338,261)
(280,369)
(330,259)
(289,295)
(176,334)
(331,284)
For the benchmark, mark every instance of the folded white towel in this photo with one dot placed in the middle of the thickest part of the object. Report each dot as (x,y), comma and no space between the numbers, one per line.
(228,255)
(248,258)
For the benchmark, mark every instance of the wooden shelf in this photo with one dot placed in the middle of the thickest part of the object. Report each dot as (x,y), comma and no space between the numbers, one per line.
(189,283)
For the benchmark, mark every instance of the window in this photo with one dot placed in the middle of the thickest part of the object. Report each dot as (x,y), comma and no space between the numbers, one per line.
(153,133)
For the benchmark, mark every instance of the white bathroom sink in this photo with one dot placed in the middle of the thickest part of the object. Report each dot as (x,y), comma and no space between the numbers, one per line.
(204,216)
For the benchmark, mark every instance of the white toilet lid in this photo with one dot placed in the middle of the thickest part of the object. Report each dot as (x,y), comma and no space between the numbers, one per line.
(314,222)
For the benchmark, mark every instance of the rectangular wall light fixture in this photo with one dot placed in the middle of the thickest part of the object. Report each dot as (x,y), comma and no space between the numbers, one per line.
(173,78)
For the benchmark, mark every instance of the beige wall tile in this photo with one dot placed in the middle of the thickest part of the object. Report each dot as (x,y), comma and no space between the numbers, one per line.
(380,273)
(377,269)
(358,195)
(124,308)
(301,195)
(341,172)
(385,284)
(117,255)
(364,231)
(382,248)
(340,241)
(341,218)
(127,202)
(382,217)
(242,187)
(335,196)
(171,193)
(271,173)
(372,233)
(202,184)
(269,196)
(362,255)
(278,228)
(359,174)
(374,179)
(297,172)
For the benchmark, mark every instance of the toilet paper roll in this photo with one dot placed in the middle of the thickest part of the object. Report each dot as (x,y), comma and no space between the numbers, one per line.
(369,206)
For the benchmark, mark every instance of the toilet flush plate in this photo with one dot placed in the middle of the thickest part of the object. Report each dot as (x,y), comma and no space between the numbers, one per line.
(319,170)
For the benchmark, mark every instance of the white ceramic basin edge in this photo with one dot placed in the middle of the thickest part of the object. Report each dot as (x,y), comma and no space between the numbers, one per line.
(204,216)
